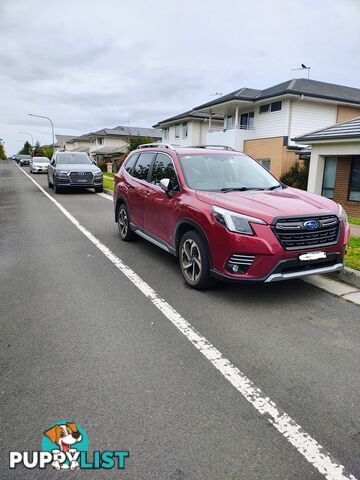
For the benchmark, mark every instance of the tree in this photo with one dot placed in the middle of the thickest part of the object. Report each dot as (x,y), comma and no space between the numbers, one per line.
(297,175)
(2,151)
(134,142)
(26,150)
(38,150)
(47,152)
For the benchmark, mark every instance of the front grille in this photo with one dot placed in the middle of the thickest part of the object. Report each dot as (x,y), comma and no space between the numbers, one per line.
(78,178)
(293,235)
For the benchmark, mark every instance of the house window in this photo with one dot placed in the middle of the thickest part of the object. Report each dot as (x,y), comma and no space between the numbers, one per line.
(247,120)
(100,141)
(229,121)
(177,130)
(166,134)
(354,191)
(266,163)
(329,178)
(185,129)
(270,107)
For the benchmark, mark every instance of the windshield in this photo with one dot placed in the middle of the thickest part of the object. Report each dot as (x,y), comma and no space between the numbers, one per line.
(225,172)
(78,158)
(41,160)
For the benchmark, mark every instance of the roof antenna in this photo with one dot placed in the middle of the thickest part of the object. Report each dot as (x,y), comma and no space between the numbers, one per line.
(216,94)
(303,67)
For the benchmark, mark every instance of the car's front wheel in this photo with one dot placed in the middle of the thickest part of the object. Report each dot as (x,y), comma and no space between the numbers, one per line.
(98,189)
(194,260)
(56,188)
(125,231)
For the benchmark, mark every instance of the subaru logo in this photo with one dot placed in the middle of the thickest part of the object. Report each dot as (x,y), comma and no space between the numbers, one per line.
(311,225)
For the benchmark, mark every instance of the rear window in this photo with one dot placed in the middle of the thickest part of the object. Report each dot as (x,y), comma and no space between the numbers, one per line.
(142,166)
(129,165)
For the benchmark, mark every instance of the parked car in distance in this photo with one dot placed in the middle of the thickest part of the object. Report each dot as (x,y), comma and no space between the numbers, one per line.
(39,165)
(225,216)
(23,159)
(73,170)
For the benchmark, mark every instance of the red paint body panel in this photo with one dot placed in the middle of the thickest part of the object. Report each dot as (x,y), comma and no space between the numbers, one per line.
(159,214)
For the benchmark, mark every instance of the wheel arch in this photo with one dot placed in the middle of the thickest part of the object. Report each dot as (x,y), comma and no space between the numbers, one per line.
(184,225)
(119,201)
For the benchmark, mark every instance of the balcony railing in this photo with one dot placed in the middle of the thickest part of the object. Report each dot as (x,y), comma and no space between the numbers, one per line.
(233,127)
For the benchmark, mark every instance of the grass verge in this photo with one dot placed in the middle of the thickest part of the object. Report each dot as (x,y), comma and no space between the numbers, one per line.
(354,220)
(352,257)
(108,181)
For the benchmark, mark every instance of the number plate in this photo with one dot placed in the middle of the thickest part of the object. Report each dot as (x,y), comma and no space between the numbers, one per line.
(307,257)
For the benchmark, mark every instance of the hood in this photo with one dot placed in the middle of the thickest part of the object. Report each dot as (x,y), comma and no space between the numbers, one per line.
(267,205)
(74,167)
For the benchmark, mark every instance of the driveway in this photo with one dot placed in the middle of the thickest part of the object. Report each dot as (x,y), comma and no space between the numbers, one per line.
(84,339)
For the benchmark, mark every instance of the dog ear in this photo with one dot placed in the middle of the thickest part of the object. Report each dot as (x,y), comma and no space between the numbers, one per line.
(73,426)
(53,433)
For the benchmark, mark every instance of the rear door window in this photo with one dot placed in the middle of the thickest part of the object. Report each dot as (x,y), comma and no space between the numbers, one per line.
(142,167)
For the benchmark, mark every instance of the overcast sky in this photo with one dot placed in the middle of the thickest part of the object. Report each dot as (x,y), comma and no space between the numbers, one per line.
(93,64)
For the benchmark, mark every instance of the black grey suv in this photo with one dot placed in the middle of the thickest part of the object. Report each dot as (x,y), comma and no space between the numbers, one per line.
(73,170)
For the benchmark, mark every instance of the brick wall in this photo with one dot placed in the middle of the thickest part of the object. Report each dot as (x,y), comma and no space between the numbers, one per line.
(341,189)
(272,149)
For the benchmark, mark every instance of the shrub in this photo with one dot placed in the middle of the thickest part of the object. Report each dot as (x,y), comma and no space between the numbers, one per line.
(297,175)
(102,165)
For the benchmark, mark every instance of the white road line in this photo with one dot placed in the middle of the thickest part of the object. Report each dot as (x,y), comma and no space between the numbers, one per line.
(307,446)
(105,195)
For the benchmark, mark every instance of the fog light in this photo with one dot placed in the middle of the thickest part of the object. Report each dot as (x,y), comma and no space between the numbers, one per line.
(235,268)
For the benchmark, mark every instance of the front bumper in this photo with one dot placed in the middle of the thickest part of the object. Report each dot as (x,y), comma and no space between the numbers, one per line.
(288,269)
(261,258)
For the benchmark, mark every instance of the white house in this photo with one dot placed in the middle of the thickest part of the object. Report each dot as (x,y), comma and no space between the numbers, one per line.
(188,128)
(262,122)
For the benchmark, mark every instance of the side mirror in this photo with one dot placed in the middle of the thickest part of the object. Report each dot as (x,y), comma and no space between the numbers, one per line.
(164,184)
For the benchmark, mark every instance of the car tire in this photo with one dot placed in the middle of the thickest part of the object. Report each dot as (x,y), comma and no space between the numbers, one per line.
(195,260)
(56,188)
(50,185)
(123,221)
(98,189)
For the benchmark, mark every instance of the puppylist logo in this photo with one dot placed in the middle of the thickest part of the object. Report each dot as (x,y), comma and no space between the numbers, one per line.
(65,446)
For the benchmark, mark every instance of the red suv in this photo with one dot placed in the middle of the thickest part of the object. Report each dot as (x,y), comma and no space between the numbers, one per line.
(225,216)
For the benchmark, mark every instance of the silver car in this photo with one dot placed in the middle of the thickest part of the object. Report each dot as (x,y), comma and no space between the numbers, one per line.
(39,165)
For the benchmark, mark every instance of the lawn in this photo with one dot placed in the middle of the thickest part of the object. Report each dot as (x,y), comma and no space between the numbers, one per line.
(352,257)
(354,220)
(108,181)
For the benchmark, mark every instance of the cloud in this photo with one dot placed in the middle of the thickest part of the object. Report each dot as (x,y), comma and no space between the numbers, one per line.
(90,64)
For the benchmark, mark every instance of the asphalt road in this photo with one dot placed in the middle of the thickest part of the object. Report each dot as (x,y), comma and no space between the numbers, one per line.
(80,342)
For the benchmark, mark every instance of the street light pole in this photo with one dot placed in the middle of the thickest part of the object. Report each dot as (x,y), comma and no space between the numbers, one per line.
(32,140)
(52,125)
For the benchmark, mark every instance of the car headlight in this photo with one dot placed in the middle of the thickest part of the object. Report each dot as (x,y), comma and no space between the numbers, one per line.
(342,214)
(235,222)
(61,172)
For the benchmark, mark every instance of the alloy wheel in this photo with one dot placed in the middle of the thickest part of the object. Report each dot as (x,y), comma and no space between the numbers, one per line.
(191,260)
(123,222)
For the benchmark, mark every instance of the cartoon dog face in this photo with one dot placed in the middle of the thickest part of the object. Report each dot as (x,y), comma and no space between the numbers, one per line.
(64,435)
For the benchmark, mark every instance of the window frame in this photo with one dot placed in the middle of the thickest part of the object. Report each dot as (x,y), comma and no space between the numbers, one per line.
(183,127)
(261,160)
(166,136)
(177,126)
(270,107)
(323,180)
(227,126)
(356,158)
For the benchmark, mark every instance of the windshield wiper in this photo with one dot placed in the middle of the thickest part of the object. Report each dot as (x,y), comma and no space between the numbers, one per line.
(274,186)
(240,189)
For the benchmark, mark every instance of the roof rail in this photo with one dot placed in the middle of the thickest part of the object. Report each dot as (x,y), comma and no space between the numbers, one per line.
(214,147)
(158,145)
